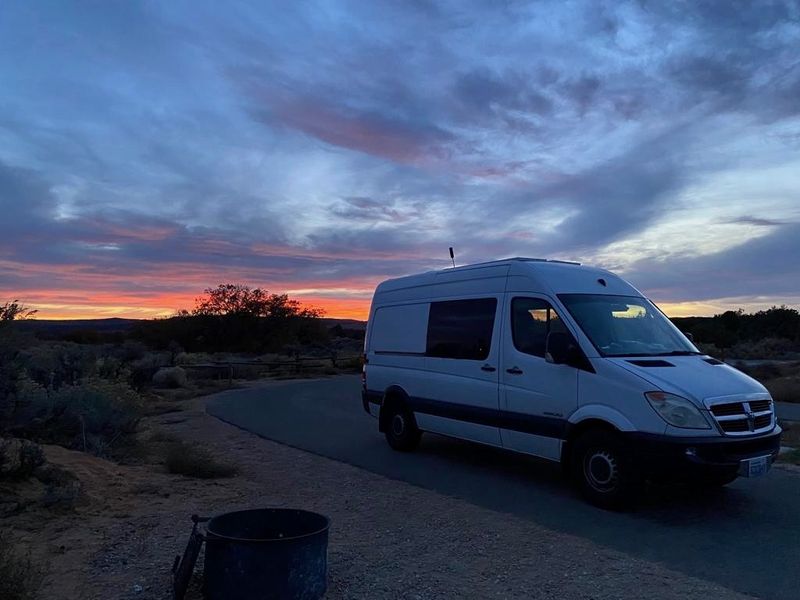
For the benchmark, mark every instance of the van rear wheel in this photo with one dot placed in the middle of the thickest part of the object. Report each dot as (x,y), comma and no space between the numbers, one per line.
(604,470)
(402,432)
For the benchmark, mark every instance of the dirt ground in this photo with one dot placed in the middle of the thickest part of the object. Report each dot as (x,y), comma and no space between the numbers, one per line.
(388,539)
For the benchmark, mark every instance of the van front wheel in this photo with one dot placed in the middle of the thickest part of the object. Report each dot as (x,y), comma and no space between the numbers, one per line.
(604,470)
(401,428)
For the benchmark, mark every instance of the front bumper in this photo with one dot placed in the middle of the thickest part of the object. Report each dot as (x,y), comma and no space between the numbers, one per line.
(658,455)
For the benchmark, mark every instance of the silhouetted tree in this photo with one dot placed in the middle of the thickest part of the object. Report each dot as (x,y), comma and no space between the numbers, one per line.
(237,318)
(11,311)
(238,299)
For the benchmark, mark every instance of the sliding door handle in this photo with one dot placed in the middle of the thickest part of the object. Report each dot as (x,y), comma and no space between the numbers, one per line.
(514,371)
(488,368)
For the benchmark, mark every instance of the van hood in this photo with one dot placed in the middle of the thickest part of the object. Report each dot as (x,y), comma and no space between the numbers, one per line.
(690,376)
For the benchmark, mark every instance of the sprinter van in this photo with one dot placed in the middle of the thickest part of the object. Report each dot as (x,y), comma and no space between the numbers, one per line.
(564,362)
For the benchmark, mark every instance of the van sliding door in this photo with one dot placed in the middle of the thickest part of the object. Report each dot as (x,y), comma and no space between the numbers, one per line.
(462,354)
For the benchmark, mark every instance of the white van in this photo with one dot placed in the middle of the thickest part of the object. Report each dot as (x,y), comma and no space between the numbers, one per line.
(564,362)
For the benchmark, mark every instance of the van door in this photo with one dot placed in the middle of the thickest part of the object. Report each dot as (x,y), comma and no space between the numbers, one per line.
(536,397)
(462,365)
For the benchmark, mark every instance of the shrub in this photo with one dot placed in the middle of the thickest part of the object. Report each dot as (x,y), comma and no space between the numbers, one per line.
(18,577)
(19,458)
(193,461)
(786,389)
(62,488)
(89,416)
(142,372)
(764,348)
(170,377)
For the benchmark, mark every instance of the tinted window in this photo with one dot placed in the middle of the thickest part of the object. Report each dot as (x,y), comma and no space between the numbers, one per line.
(531,320)
(461,328)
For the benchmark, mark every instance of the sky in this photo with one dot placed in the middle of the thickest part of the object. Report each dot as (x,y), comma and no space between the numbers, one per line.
(150,150)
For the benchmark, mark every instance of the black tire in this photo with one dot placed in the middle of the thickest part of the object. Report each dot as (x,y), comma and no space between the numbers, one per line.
(402,432)
(604,470)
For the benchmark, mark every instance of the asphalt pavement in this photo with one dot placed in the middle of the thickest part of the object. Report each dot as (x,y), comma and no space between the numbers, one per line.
(745,537)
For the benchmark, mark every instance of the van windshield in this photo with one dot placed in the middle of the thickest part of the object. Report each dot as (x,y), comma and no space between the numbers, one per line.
(626,326)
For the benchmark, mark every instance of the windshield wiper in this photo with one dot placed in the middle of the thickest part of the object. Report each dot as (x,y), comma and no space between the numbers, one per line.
(678,353)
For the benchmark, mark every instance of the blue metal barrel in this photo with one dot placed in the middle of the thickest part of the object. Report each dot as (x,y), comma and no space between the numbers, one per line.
(271,553)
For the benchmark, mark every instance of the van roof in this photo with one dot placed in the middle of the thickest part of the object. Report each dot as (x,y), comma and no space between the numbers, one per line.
(557,276)
(515,259)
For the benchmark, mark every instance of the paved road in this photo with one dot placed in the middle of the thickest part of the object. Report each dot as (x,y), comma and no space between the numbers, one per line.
(745,537)
(787,411)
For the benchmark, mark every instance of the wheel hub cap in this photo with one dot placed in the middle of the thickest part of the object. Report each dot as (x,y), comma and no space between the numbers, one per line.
(398,425)
(600,468)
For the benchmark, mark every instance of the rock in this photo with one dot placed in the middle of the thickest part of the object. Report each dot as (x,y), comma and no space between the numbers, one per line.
(170,377)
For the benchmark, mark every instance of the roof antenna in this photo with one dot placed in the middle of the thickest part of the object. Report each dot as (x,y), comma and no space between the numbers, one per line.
(452,257)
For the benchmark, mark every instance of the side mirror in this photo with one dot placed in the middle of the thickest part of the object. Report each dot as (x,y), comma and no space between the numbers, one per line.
(689,336)
(559,348)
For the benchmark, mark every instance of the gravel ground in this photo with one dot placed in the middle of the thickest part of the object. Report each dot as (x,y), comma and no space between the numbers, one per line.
(388,539)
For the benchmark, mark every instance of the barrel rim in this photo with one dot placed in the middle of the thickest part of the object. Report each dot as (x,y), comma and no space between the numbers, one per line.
(213,536)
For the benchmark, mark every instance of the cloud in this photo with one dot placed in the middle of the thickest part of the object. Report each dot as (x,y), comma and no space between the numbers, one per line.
(369,132)
(757,221)
(763,266)
(320,146)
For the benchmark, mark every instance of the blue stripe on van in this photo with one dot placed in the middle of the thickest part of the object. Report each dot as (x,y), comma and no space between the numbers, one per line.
(480,415)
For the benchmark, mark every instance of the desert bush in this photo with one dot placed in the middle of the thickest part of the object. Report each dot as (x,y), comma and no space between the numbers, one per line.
(763,349)
(131,350)
(170,377)
(89,416)
(56,364)
(142,371)
(194,461)
(19,458)
(785,389)
(193,358)
(62,488)
(18,577)
(762,372)
(110,367)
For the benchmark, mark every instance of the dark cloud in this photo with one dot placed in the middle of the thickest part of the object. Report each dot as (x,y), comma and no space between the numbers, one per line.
(758,221)
(481,91)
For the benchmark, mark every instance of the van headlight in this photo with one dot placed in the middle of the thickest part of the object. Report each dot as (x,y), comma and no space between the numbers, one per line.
(677,411)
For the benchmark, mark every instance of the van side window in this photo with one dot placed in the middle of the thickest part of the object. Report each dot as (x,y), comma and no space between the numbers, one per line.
(461,328)
(531,320)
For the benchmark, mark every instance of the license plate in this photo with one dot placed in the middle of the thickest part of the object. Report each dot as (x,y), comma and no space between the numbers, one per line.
(754,467)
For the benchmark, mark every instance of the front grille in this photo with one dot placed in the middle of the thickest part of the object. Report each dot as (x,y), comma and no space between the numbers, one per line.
(725,410)
(760,405)
(742,418)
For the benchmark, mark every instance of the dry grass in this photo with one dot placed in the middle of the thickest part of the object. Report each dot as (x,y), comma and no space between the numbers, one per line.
(790,438)
(791,433)
(781,379)
(18,576)
(784,389)
(792,457)
(193,461)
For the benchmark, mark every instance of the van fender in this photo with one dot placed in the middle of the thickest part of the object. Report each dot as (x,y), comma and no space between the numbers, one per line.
(601,412)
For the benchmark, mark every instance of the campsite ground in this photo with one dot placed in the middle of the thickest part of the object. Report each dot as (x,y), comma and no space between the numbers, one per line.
(389,539)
